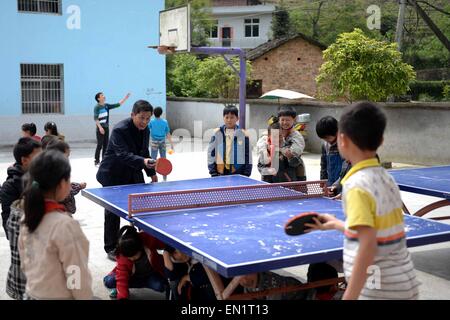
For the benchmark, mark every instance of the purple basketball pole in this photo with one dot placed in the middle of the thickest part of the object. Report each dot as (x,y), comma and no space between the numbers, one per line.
(242,72)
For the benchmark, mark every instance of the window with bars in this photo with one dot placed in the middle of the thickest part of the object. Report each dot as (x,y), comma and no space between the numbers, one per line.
(251,28)
(41,6)
(42,88)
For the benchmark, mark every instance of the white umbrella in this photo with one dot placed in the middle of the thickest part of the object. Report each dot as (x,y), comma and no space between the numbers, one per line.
(287,94)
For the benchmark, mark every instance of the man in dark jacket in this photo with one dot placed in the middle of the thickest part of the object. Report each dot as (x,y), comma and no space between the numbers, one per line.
(24,151)
(125,158)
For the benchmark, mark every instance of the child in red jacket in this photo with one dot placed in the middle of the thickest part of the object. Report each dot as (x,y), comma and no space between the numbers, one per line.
(138,265)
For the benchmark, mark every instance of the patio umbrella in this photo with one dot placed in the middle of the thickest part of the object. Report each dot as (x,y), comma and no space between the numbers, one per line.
(286,94)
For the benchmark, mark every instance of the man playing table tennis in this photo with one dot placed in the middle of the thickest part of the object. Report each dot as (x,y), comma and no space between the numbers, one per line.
(377,263)
(125,158)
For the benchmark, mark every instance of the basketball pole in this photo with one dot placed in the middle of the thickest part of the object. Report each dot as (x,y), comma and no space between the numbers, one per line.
(171,20)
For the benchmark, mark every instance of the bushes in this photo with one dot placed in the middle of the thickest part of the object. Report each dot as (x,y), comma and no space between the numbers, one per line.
(190,76)
(430,90)
(357,67)
(446,92)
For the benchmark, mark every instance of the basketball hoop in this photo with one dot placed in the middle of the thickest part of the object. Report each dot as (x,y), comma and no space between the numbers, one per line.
(174,31)
(164,49)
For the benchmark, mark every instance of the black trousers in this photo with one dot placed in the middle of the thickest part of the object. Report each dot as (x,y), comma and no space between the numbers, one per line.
(4,220)
(111,230)
(102,143)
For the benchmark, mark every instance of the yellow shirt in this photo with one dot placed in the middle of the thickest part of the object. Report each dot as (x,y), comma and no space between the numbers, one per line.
(371,198)
(229,135)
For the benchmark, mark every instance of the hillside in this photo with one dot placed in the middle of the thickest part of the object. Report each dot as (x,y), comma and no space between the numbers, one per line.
(324,20)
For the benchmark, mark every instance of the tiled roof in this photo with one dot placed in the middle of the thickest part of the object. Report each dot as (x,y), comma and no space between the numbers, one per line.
(273,44)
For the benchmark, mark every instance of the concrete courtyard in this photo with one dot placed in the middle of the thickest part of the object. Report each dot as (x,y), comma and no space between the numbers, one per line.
(432,262)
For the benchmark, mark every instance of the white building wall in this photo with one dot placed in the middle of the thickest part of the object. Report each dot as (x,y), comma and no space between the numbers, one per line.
(237,24)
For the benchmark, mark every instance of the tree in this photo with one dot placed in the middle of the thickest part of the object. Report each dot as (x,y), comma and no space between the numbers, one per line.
(441,36)
(324,20)
(190,76)
(303,19)
(422,48)
(216,77)
(181,76)
(201,20)
(281,26)
(359,68)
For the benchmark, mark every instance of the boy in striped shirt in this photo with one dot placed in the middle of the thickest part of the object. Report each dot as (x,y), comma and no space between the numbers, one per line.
(377,263)
(101,118)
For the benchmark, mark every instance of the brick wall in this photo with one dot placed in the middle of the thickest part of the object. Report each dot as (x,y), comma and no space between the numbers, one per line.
(293,66)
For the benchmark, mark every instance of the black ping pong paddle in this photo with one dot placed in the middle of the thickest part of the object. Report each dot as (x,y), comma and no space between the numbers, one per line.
(296,225)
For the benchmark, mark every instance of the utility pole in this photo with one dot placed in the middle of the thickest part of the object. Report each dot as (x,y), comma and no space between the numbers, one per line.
(400,23)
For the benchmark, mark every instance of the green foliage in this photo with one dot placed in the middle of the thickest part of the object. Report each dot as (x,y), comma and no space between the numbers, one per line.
(425,97)
(422,48)
(218,79)
(280,23)
(201,20)
(359,68)
(435,90)
(189,76)
(446,92)
(181,76)
(324,20)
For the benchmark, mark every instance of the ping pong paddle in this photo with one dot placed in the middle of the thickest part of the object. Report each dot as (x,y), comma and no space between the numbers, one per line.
(272,152)
(296,225)
(163,166)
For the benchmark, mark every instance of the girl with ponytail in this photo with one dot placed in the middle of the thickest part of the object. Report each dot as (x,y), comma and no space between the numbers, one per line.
(51,129)
(53,249)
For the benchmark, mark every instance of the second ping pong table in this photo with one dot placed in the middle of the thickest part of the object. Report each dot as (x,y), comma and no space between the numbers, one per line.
(430,181)
(239,239)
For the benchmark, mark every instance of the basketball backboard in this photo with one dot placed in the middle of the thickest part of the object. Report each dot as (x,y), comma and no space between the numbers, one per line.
(175,28)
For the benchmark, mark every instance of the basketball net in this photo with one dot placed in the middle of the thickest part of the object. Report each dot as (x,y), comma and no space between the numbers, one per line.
(166,50)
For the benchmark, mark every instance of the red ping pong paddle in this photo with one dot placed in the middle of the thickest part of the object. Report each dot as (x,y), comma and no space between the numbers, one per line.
(296,225)
(163,166)
(272,153)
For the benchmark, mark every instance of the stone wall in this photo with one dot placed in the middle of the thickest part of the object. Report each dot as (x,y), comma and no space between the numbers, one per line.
(417,133)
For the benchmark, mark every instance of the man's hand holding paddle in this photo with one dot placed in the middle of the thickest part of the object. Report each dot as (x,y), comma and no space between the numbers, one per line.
(149,163)
(162,166)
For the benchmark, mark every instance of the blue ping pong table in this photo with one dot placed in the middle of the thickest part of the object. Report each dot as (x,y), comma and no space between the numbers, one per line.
(236,240)
(431,181)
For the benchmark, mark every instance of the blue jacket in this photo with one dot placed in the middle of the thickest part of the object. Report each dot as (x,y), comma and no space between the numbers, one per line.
(241,154)
(124,158)
(330,163)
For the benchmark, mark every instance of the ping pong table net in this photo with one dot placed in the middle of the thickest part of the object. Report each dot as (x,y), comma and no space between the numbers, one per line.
(223,196)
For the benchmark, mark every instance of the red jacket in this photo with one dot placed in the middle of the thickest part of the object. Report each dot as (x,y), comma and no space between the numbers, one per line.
(125,267)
